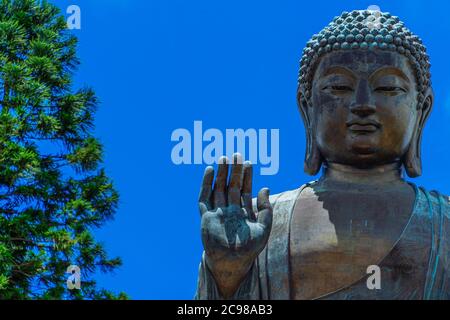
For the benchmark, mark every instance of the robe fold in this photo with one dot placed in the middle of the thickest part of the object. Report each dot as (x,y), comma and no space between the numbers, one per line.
(417,267)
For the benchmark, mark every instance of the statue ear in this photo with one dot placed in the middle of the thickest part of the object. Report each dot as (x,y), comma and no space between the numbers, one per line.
(412,159)
(313,158)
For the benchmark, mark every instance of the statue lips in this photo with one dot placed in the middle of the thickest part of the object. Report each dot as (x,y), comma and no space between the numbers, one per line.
(363,126)
(361,130)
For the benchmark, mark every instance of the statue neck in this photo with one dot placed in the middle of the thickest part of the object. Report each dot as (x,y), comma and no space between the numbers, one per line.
(379,176)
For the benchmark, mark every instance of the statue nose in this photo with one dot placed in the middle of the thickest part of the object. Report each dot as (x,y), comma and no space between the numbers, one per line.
(362,105)
(362,110)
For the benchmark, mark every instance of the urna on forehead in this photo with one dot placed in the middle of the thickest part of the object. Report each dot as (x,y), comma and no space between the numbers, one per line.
(365,30)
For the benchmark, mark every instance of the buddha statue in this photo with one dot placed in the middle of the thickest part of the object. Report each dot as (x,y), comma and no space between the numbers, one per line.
(364,94)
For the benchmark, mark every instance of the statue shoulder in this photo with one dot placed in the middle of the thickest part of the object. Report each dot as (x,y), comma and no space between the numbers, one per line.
(445,203)
(438,202)
(285,197)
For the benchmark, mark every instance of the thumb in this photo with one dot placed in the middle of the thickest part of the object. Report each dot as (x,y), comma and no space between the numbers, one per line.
(264,208)
(202,208)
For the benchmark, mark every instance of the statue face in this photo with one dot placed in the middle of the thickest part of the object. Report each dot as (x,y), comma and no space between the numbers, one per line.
(363,107)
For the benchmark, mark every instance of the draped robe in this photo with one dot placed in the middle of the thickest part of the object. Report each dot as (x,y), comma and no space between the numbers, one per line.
(417,267)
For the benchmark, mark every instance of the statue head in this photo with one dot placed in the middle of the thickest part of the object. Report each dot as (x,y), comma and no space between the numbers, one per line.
(364,93)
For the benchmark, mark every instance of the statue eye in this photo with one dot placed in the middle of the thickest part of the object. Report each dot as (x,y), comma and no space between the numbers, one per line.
(339,88)
(390,89)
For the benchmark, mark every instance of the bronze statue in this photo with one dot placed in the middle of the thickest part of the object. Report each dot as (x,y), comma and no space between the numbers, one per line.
(364,95)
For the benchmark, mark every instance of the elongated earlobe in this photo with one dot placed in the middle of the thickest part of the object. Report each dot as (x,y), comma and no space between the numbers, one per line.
(413,160)
(313,158)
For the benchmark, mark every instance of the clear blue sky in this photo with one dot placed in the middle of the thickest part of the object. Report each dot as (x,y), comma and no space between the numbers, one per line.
(160,65)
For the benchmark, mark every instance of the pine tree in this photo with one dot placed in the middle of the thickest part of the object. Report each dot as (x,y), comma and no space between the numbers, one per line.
(53,191)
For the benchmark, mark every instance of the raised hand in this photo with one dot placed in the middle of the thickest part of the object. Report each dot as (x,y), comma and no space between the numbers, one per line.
(232,234)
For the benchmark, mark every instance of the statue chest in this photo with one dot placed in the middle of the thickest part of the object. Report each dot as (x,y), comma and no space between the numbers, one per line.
(335,236)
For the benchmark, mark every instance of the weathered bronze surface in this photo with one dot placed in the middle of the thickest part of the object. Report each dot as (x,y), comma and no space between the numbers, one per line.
(364,111)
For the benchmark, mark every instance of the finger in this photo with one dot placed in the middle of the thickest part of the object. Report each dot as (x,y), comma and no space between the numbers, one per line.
(264,208)
(247,190)
(221,183)
(206,188)
(234,187)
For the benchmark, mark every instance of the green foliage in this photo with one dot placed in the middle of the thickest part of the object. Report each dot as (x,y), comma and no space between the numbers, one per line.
(53,192)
